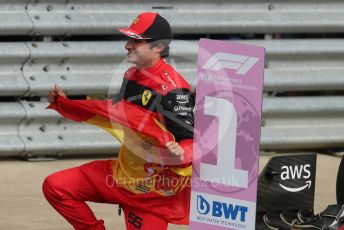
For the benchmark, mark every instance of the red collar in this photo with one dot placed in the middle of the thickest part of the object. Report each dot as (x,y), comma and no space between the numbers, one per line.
(154,70)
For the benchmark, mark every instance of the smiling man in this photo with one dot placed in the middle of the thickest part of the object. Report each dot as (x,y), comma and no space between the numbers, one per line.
(154,122)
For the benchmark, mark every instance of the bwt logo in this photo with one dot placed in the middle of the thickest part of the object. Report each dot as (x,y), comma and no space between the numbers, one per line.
(296,172)
(221,209)
(230,61)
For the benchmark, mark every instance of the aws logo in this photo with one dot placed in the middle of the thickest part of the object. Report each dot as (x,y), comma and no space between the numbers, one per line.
(182,99)
(146,96)
(295,172)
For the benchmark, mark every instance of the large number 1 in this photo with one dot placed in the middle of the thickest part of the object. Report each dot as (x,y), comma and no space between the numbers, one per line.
(224,171)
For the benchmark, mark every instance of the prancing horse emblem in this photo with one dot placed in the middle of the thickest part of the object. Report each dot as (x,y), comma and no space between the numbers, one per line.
(146,96)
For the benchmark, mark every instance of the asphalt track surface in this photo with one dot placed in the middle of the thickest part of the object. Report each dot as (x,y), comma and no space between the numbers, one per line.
(22,205)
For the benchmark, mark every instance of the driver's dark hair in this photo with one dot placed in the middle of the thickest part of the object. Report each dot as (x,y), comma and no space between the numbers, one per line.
(166,43)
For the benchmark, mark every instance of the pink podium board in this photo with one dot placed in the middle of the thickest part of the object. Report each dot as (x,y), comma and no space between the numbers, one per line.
(227,135)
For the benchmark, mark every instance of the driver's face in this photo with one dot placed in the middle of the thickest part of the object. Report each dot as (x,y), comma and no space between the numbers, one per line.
(139,52)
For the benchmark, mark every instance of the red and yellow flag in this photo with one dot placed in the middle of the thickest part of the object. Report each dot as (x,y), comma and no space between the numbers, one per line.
(143,165)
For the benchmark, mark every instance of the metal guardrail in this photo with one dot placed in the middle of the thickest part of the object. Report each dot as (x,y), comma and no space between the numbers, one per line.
(79,67)
(12,57)
(14,18)
(98,67)
(11,115)
(32,68)
(58,17)
(303,122)
(288,123)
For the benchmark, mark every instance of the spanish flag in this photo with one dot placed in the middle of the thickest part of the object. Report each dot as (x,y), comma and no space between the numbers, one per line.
(143,165)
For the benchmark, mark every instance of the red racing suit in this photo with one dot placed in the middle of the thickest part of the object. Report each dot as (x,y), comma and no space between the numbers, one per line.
(154,106)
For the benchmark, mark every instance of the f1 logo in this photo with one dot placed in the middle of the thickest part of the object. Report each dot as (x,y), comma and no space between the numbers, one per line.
(230,61)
